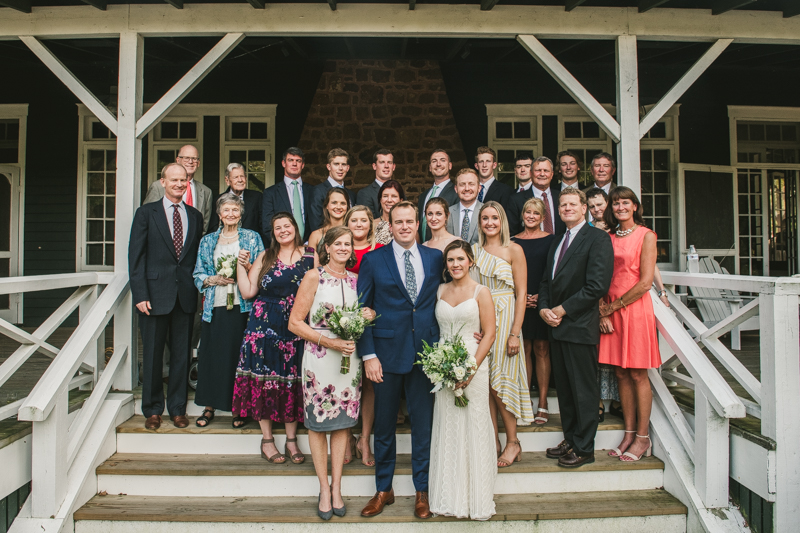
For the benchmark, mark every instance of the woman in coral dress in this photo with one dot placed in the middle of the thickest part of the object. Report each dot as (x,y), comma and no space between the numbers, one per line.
(628,323)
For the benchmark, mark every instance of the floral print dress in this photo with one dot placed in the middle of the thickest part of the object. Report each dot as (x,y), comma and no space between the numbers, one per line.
(332,399)
(268,384)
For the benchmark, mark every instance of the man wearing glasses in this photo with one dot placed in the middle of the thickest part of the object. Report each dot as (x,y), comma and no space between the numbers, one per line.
(197,195)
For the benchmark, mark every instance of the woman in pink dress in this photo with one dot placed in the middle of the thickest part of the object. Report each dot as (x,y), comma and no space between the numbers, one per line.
(628,322)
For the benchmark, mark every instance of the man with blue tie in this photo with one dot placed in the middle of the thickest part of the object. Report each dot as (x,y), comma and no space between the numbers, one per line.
(463,219)
(289,194)
(400,281)
(338,167)
(491,189)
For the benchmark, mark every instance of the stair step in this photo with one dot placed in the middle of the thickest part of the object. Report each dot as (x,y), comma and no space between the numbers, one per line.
(628,511)
(219,438)
(244,475)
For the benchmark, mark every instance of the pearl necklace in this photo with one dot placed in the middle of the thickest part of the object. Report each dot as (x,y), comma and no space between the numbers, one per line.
(334,271)
(626,232)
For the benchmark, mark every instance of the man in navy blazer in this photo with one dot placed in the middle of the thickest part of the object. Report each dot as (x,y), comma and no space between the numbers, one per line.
(400,281)
(539,184)
(281,196)
(491,189)
(162,253)
(338,167)
(443,187)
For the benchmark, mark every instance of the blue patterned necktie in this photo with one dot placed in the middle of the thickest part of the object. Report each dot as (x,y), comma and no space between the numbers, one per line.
(465,226)
(411,278)
(480,194)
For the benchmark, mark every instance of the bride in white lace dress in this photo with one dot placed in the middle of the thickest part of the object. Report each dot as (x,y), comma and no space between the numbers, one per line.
(463,456)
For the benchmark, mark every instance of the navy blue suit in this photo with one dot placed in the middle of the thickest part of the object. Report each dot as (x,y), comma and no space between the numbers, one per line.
(396,338)
(275,200)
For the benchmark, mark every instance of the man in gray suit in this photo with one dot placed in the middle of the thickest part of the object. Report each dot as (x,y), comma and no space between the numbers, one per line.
(383,165)
(463,219)
(197,195)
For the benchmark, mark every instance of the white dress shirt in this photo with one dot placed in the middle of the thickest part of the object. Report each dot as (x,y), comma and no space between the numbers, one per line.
(439,190)
(184,216)
(335,183)
(400,260)
(606,187)
(194,193)
(572,233)
(469,210)
(379,182)
(290,189)
(576,185)
(521,188)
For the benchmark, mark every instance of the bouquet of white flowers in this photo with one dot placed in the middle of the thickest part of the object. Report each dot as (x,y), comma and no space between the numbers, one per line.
(447,363)
(226,267)
(346,322)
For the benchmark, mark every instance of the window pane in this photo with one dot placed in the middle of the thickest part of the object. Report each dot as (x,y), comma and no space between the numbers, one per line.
(188,130)
(661,182)
(506,156)
(96,160)
(163,158)
(662,206)
(258,130)
(96,180)
(99,131)
(94,230)
(756,132)
(111,160)
(169,130)
(94,254)
(12,129)
(522,130)
(789,132)
(238,156)
(773,132)
(664,252)
(647,182)
(503,130)
(647,159)
(744,225)
(109,255)
(591,130)
(5,271)
(9,155)
(572,130)
(109,230)
(661,159)
(110,208)
(662,228)
(647,205)
(742,132)
(659,131)
(111,183)
(743,205)
(95,207)
(5,213)
(744,267)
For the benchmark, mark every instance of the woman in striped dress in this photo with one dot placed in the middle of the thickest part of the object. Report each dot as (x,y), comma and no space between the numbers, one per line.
(500,265)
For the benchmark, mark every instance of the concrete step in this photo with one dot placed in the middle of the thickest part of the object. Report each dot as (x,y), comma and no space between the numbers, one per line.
(617,512)
(148,474)
(220,438)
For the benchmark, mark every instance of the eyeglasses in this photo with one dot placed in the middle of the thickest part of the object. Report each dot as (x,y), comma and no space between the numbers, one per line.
(190,159)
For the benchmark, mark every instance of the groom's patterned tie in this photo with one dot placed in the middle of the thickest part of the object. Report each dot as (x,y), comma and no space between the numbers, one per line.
(411,278)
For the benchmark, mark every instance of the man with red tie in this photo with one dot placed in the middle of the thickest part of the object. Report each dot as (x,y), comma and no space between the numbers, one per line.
(162,253)
(197,195)
(535,179)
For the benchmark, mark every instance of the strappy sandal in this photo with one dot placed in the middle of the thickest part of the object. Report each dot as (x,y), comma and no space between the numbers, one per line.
(297,458)
(206,420)
(628,457)
(518,458)
(239,422)
(544,419)
(616,452)
(274,458)
(350,450)
(366,460)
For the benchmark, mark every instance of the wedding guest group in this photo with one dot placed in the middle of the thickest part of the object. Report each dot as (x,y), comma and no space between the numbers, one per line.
(542,279)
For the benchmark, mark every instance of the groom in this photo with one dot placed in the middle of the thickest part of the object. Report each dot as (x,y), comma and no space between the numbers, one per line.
(399,282)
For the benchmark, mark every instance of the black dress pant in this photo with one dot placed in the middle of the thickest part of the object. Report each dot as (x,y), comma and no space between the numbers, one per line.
(156,329)
(575,373)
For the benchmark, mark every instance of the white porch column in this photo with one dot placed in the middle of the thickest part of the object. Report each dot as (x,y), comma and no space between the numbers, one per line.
(129,172)
(628,156)
(711,454)
(49,464)
(780,388)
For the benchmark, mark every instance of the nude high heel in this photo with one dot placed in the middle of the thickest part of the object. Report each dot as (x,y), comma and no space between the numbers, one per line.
(628,457)
(616,452)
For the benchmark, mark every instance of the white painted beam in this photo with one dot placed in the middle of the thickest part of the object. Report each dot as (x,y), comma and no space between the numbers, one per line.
(178,91)
(628,156)
(72,83)
(397,20)
(711,455)
(686,81)
(571,85)
(49,466)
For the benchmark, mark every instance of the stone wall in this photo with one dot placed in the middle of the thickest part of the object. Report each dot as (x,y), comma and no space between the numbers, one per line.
(363,106)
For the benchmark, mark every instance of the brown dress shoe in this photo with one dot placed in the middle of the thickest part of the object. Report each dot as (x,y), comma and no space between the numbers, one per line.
(562,449)
(573,460)
(377,503)
(180,421)
(421,507)
(152,422)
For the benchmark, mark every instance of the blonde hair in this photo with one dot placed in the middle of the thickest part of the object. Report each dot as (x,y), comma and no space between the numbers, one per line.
(371,233)
(505,234)
(534,203)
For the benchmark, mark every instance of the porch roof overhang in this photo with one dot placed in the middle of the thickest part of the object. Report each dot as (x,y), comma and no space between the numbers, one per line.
(396,20)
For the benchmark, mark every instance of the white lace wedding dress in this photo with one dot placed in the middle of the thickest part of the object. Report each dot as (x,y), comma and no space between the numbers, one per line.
(463,457)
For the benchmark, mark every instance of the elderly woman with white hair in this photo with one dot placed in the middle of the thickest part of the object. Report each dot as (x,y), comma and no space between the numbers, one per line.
(225,312)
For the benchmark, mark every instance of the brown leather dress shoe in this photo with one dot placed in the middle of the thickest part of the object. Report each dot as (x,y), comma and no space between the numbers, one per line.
(562,449)
(377,503)
(152,422)
(180,421)
(421,507)
(573,460)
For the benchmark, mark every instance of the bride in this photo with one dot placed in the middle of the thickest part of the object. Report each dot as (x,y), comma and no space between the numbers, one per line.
(463,456)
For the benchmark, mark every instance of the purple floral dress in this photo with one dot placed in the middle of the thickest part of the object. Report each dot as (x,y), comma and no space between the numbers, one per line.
(268,382)
(332,399)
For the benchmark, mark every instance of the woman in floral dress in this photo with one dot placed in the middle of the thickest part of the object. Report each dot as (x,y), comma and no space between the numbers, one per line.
(268,385)
(332,399)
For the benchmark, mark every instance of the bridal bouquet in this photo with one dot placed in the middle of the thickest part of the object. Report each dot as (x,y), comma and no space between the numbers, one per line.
(346,322)
(447,363)
(226,267)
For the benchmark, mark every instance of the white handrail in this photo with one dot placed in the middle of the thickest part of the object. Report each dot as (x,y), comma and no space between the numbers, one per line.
(44,395)
(20,284)
(757,284)
(12,409)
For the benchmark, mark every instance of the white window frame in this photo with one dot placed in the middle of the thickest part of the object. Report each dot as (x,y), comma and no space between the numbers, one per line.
(511,113)
(267,114)
(16,267)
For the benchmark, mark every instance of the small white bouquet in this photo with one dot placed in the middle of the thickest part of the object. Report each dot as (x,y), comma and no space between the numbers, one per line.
(447,363)
(226,267)
(346,322)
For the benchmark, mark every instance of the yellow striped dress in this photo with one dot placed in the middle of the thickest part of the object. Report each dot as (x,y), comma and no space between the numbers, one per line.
(507,374)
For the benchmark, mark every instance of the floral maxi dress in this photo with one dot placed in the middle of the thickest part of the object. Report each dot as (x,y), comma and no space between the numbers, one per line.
(332,399)
(268,384)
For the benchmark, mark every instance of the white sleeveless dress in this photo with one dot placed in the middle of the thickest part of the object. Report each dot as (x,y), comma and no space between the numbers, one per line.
(463,457)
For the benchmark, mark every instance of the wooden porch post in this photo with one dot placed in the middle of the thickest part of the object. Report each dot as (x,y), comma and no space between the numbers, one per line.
(128,198)
(49,464)
(780,388)
(628,156)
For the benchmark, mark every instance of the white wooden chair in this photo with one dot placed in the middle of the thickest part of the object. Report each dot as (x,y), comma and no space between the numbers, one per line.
(716,305)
